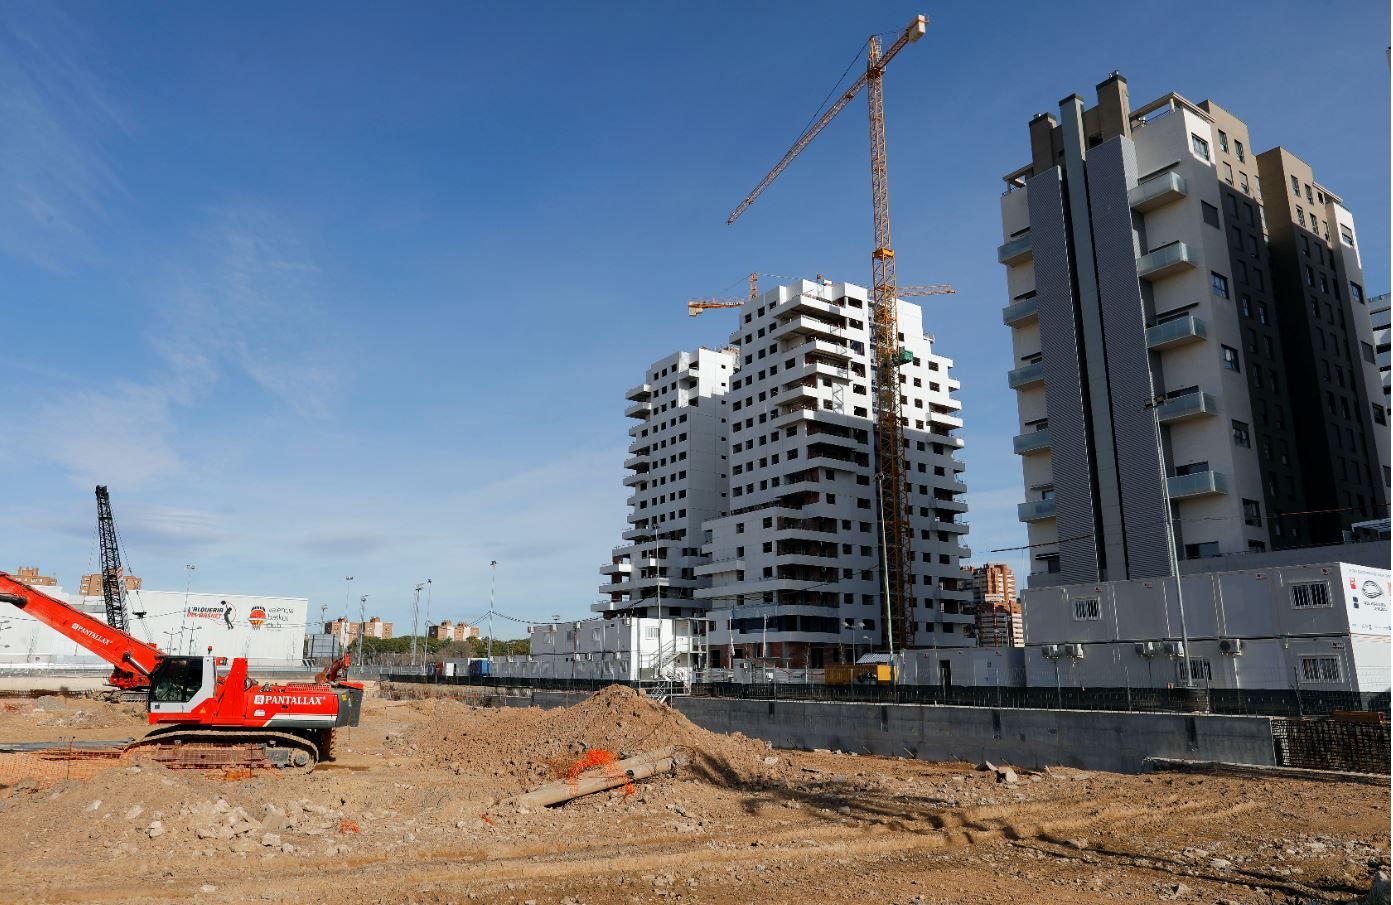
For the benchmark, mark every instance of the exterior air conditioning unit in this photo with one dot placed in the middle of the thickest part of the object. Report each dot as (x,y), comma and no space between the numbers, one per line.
(1052,651)
(1175,649)
(1148,649)
(1073,651)
(1233,646)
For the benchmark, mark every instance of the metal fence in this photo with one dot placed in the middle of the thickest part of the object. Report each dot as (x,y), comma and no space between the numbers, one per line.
(1261,702)
(1332,745)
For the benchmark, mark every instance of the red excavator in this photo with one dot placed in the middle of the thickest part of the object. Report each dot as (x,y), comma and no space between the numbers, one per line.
(202,712)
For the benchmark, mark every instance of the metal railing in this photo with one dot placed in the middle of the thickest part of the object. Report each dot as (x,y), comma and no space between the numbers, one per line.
(1281,702)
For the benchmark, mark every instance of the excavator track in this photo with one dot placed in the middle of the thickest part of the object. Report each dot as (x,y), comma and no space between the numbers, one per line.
(179,747)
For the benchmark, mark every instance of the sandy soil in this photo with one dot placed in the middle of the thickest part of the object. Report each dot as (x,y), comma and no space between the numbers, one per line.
(416,810)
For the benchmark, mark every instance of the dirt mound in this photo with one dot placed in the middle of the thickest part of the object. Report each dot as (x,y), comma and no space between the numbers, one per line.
(530,745)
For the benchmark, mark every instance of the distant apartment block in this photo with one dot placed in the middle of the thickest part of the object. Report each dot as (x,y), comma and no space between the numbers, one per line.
(91,585)
(678,470)
(30,575)
(996,606)
(1151,255)
(451,631)
(345,631)
(792,571)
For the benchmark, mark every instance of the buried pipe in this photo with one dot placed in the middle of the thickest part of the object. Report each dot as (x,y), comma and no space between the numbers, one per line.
(640,766)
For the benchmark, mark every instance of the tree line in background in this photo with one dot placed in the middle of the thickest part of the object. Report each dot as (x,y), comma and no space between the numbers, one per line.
(397,651)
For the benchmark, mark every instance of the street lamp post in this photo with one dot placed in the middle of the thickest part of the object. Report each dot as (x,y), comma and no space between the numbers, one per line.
(428,590)
(493,587)
(362,625)
(1155,405)
(415,620)
(347,593)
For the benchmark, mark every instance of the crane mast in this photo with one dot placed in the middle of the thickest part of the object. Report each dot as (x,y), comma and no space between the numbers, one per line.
(113,576)
(889,354)
(886,348)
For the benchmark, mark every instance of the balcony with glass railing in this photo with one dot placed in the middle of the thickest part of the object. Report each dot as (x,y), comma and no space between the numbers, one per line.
(1032,442)
(1177,332)
(1036,510)
(1200,483)
(1166,260)
(1191,405)
(1020,312)
(1157,191)
(1026,376)
(1015,251)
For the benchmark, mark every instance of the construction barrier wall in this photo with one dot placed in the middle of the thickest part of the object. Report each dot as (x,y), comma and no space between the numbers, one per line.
(1093,740)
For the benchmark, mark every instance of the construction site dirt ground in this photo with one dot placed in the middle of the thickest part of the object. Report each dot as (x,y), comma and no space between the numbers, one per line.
(416,810)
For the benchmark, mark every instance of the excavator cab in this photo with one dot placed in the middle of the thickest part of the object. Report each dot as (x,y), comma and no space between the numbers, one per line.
(179,684)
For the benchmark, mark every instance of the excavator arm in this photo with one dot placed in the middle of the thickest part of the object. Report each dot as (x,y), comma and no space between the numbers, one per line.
(121,650)
(332,673)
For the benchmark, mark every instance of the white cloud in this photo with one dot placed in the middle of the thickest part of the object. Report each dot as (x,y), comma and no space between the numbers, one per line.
(240,307)
(121,435)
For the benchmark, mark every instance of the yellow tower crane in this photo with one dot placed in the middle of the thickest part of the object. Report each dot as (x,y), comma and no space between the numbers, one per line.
(898,579)
(696,306)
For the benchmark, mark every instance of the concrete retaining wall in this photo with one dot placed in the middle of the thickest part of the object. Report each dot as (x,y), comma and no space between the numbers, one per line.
(1092,740)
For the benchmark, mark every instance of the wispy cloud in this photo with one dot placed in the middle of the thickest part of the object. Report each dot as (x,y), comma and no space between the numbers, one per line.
(247,302)
(123,434)
(56,125)
(239,306)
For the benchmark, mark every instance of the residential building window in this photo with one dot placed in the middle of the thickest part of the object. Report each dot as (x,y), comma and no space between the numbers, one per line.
(1309,199)
(1200,145)
(1346,235)
(1252,513)
(1228,172)
(1295,187)
(1320,669)
(1220,284)
(1307,595)
(1210,212)
(1238,149)
(1300,217)
(1202,551)
(1241,436)
(1223,140)
(1087,609)
(1262,312)
(1243,183)
(1356,293)
(1200,670)
(1230,358)
(1380,414)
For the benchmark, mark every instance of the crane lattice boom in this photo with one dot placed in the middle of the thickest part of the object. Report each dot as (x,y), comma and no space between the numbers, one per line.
(113,576)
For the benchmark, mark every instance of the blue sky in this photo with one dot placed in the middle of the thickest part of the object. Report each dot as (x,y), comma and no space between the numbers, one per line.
(347,289)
